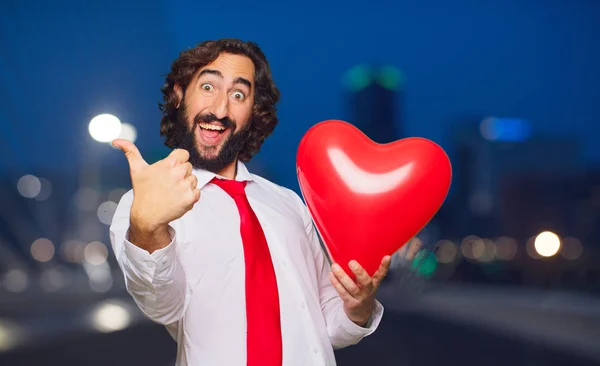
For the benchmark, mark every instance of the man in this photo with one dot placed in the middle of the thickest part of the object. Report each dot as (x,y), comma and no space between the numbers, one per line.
(228,261)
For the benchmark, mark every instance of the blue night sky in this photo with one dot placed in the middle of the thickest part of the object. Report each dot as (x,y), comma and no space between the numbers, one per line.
(60,65)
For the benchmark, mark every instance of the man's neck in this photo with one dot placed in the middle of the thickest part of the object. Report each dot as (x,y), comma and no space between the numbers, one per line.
(230,171)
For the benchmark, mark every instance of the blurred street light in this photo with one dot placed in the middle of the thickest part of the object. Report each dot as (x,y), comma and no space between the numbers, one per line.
(547,244)
(110,316)
(105,128)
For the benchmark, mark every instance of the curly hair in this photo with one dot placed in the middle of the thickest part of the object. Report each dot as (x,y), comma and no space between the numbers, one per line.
(264,113)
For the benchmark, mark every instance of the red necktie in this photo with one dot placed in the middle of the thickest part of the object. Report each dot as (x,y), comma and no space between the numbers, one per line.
(263,342)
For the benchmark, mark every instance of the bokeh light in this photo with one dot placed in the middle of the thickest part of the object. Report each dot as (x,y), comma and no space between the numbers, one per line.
(95,253)
(489,251)
(10,335)
(547,244)
(446,251)
(106,211)
(571,248)
(55,278)
(390,77)
(425,263)
(29,186)
(45,190)
(16,280)
(105,127)
(73,251)
(506,248)
(358,77)
(42,250)
(110,317)
(472,247)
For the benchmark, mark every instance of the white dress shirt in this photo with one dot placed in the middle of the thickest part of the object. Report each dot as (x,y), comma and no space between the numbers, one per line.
(195,285)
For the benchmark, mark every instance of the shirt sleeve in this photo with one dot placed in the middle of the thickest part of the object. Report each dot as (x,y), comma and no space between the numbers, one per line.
(156,282)
(342,331)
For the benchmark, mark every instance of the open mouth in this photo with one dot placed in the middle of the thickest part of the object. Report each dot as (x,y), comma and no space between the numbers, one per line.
(216,127)
(211,133)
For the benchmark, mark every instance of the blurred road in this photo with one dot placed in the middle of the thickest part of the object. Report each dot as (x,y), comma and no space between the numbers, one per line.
(423,325)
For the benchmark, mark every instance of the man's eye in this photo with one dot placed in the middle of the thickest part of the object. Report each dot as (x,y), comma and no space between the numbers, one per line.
(207,87)
(238,95)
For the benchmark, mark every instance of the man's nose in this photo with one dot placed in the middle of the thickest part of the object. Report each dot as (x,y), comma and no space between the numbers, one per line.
(220,106)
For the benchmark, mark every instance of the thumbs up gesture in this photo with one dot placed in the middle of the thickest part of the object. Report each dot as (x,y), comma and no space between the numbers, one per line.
(163,191)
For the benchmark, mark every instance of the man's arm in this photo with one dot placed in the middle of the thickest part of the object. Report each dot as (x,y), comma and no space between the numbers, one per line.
(156,281)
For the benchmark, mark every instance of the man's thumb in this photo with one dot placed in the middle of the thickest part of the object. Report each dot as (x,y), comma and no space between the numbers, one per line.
(132,154)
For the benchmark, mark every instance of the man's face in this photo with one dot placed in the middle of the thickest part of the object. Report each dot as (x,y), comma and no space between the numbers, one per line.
(216,110)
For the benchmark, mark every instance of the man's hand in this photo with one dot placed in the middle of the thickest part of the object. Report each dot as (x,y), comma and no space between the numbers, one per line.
(162,192)
(358,297)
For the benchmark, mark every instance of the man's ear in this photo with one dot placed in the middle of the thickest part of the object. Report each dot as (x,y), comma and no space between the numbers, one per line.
(179,92)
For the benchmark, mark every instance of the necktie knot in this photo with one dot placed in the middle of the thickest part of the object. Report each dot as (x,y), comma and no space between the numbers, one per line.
(232,187)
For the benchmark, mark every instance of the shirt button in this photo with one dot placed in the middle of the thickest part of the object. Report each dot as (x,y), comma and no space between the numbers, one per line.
(284,263)
(315,350)
(150,265)
(303,305)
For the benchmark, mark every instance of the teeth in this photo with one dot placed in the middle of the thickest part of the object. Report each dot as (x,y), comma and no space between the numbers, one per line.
(208,126)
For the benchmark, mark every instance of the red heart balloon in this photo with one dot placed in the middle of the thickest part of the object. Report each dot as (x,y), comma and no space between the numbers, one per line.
(368,199)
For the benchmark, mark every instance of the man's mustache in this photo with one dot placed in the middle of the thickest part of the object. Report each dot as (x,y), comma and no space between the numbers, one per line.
(209,117)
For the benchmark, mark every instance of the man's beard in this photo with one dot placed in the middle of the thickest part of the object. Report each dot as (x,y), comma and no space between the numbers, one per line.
(204,157)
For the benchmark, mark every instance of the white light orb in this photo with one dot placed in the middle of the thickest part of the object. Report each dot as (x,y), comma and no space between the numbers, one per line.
(110,317)
(547,244)
(105,128)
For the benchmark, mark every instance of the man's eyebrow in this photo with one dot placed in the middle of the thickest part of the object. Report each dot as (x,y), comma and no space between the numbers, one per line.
(210,71)
(238,80)
(244,81)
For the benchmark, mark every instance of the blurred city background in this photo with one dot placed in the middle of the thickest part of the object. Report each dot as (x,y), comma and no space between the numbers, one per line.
(508,272)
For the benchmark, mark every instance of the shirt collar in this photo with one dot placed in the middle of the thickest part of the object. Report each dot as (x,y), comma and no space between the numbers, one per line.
(205,176)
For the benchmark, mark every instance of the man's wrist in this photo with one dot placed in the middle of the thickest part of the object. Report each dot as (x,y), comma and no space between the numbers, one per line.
(362,320)
(364,323)
(149,238)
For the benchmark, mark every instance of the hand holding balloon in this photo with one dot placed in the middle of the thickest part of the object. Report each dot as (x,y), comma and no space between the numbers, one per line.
(359,296)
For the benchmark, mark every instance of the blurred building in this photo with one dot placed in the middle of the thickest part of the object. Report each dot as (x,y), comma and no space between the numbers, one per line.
(374,101)
(491,153)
